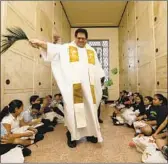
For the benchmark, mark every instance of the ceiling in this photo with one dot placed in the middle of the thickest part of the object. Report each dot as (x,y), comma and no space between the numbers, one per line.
(94,13)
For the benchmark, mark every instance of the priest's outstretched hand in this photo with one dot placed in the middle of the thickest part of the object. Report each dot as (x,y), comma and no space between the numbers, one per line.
(38,43)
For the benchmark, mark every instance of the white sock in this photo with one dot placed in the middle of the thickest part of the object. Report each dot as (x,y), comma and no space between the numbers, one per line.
(32,141)
(137,130)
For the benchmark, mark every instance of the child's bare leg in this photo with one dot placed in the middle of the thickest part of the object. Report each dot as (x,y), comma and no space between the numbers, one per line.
(161,142)
(22,142)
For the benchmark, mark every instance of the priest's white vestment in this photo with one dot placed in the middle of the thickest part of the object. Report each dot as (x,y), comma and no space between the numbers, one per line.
(77,72)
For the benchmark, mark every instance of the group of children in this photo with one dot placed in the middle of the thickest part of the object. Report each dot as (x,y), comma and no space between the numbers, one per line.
(21,127)
(149,118)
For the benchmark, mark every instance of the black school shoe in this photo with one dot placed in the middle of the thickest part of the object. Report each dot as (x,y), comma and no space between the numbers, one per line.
(116,122)
(49,128)
(53,124)
(71,144)
(26,151)
(92,139)
(55,120)
(38,137)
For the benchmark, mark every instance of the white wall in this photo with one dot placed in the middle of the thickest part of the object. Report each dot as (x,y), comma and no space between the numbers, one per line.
(143,47)
(112,35)
(22,64)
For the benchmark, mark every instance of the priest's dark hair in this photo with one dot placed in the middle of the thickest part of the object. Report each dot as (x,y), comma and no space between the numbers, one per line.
(81,30)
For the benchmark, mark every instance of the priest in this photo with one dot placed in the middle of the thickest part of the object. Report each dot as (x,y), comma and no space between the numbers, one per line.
(78,74)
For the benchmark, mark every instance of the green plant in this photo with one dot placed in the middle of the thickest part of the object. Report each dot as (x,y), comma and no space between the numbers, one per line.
(114,71)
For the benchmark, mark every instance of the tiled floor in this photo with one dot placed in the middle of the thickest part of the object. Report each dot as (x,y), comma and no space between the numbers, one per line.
(114,148)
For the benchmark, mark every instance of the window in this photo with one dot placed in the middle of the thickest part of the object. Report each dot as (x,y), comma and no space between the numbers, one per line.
(102,49)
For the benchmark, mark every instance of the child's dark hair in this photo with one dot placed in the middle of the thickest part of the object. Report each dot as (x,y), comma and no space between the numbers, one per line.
(50,96)
(10,108)
(36,106)
(149,98)
(141,97)
(33,98)
(57,95)
(137,93)
(161,98)
(41,100)
(125,92)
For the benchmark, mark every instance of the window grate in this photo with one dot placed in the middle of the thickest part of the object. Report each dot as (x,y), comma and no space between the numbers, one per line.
(102,49)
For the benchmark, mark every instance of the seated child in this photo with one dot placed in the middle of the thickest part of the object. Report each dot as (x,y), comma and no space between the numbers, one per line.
(160,105)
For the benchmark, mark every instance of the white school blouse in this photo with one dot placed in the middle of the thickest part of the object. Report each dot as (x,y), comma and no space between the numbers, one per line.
(14,122)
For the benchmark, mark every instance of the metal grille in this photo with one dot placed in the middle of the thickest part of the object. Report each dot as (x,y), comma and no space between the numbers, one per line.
(102,49)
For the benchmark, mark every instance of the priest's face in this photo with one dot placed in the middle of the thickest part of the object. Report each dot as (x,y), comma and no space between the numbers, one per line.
(81,40)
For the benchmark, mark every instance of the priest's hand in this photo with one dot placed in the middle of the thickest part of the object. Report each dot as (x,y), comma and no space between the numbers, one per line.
(38,43)
(34,43)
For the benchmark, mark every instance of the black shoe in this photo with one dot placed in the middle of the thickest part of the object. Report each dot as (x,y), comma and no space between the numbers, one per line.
(49,128)
(116,122)
(100,121)
(26,152)
(38,137)
(53,124)
(41,130)
(71,144)
(55,120)
(114,119)
(92,139)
